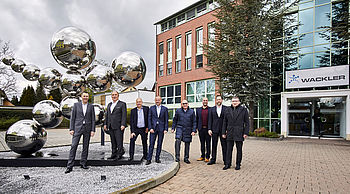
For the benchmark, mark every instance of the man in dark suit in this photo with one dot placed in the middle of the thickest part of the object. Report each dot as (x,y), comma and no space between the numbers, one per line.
(235,129)
(82,123)
(115,122)
(216,117)
(202,116)
(138,126)
(158,126)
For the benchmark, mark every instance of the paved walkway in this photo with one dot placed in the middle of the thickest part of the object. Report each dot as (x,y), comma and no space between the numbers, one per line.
(290,166)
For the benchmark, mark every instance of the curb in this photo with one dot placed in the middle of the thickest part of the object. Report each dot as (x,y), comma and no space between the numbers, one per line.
(152,182)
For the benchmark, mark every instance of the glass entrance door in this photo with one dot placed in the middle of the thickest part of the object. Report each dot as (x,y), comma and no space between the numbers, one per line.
(299,117)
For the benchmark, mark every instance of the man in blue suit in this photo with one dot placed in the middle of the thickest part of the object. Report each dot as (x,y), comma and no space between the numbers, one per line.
(158,126)
(138,126)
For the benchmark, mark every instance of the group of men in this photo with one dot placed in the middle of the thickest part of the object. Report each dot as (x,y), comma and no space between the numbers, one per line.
(229,124)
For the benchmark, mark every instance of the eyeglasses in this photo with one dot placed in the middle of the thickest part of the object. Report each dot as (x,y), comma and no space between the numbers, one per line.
(184,103)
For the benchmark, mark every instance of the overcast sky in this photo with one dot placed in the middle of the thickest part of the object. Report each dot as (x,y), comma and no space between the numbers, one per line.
(114,25)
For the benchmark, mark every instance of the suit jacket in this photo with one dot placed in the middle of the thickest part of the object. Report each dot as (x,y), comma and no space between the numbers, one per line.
(236,123)
(199,117)
(77,118)
(114,120)
(214,121)
(134,118)
(162,120)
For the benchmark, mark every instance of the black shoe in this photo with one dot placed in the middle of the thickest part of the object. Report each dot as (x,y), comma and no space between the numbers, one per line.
(177,160)
(119,157)
(158,161)
(144,158)
(226,167)
(111,158)
(238,167)
(131,159)
(68,170)
(187,161)
(84,167)
(148,162)
(211,162)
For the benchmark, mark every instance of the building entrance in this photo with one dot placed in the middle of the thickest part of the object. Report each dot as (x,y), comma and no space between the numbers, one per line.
(323,116)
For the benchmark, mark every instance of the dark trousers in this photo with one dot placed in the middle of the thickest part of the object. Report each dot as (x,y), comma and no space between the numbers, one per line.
(204,139)
(239,145)
(215,139)
(152,140)
(117,136)
(74,146)
(178,147)
(142,132)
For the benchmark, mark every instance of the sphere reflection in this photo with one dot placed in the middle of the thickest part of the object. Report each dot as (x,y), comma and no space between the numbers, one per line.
(100,78)
(18,65)
(47,113)
(72,84)
(7,60)
(66,106)
(31,72)
(49,78)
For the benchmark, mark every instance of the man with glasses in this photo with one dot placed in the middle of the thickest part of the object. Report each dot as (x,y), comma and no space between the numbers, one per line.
(235,129)
(184,123)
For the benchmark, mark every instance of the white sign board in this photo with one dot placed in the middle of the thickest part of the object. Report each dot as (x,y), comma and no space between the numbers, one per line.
(318,77)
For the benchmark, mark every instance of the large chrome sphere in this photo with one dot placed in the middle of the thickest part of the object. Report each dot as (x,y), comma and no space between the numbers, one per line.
(73,48)
(129,69)
(50,78)
(72,84)
(25,137)
(31,72)
(7,60)
(18,65)
(100,78)
(47,113)
(66,106)
(99,114)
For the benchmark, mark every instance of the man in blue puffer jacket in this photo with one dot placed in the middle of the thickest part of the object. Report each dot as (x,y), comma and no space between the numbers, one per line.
(184,123)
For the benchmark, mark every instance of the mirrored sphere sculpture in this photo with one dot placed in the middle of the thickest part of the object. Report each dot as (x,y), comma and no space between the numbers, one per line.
(66,106)
(18,65)
(100,78)
(50,78)
(99,114)
(129,69)
(47,113)
(7,60)
(31,72)
(72,84)
(73,48)
(25,137)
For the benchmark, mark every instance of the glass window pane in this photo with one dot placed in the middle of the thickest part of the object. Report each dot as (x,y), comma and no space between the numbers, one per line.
(210,97)
(276,106)
(177,99)
(210,86)
(200,87)
(319,2)
(264,123)
(324,47)
(199,97)
(322,59)
(306,50)
(190,88)
(306,40)
(306,61)
(170,100)
(190,99)
(162,92)
(178,90)
(264,108)
(163,100)
(322,14)
(306,5)
(291,62)
(170,91)
(306,18)
(290,26)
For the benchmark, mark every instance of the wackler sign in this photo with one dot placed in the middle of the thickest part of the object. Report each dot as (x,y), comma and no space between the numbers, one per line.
(318,77)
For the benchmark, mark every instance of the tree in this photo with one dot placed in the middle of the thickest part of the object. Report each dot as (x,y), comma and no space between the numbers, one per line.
(7,76)
(55,95)
(27,97)
(248,42)
(15,100)
(40,93)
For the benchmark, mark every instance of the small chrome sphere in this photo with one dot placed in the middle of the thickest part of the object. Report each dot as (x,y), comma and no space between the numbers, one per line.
(100,78)
(25,137)
(18,65)
(7,60)
(66,106)
(73,48)
(50,78)
(72,84)
(31,72)
(129,69)
(99,114)
(47,113)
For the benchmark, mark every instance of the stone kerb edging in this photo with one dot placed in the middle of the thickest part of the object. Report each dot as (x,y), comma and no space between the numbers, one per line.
(152,182)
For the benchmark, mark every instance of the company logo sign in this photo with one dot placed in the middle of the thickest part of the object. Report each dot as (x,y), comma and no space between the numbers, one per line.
(318,77)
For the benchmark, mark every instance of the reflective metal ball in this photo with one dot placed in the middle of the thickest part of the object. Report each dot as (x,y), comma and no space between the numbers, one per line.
(25,137)
(47,113)
(31,72)
(66,106)
(99,114)
(72,84)
(7,60)
(129,69)
(50,78)
(18,65)
(73,48)
(100,78)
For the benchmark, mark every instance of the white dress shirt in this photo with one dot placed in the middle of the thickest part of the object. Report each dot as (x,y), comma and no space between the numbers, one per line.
(84,108)
(140,118)
(158,110)
(113,105)
(218,110)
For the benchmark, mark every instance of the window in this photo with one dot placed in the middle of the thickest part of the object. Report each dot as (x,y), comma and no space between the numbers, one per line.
(201,8)
(180,19)
(188,44)
(196,91)
(169,68)
(161,69)
(199,61)
(170,94)
(190,14)
(188,64)
(199,41)
(211,34)
(170,50)
(172,23)
(161,58)
(178,48)
(178,66)
(164,27)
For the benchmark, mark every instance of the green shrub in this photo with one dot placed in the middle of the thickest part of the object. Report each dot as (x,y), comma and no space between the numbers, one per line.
(5,123)
(9,116)
(265,134)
